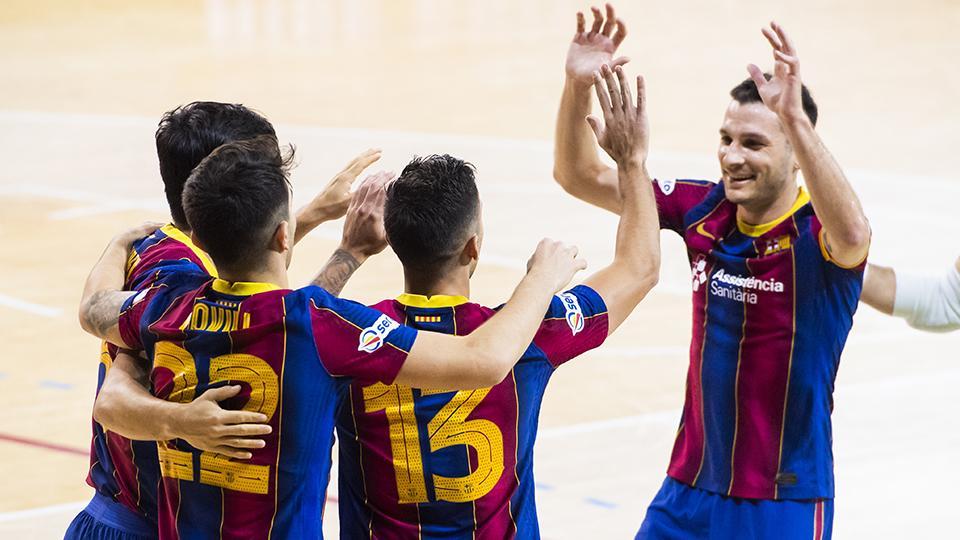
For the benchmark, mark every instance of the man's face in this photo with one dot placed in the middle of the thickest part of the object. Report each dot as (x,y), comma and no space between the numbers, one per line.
(755,156)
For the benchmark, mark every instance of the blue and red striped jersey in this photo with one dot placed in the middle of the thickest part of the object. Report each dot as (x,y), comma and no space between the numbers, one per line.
(125,470)
(433,463)
(771,314)
(290,351)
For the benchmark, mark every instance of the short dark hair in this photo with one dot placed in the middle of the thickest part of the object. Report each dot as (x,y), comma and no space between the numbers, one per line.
(190,132)
(236,197)
(746,92)
(429,211)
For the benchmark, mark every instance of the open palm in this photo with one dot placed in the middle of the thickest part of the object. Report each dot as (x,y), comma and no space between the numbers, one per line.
(590,50)
(782,93)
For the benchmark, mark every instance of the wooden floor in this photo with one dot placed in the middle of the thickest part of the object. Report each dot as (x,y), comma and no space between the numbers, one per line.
(84,85)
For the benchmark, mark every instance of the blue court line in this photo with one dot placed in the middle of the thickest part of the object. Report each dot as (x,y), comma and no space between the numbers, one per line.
(3,375)
(56,385)
(602,504)
(543,487)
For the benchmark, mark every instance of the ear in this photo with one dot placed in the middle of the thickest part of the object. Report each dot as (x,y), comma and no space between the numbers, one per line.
(196,241)
(471,250)
(281,240)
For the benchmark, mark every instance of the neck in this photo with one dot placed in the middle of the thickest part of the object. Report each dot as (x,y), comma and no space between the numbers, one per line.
(275,272)
(456,283)
(758,215)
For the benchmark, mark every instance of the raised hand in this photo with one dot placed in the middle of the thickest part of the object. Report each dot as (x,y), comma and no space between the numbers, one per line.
(363,232)
(555,262)
(332,202)
(625,132)
(782,93)
(590,50)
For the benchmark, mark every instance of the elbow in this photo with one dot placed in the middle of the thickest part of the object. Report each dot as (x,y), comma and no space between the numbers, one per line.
(102,408)
(856,235)
(493,369)
(565,180)
(83,315)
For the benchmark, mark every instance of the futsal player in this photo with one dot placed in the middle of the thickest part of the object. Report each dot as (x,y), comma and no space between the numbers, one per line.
(291,351)
(929,303)
(776,274)
(125,472)
(421,463)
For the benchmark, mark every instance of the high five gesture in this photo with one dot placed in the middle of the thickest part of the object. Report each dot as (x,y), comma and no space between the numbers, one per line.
(782,93)
(590,50)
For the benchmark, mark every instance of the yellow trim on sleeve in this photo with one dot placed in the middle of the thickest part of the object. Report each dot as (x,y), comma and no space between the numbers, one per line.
(242,288)
(759,230)
(826,253)
(172,231)
(435,301)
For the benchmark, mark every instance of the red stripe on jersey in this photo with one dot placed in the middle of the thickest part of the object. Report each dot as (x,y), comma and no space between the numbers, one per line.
(492,511)
(124,470)
(168,500)
(689,448)
(765,355)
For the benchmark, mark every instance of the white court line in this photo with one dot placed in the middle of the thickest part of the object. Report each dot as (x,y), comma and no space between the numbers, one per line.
(19,515)
(29,307)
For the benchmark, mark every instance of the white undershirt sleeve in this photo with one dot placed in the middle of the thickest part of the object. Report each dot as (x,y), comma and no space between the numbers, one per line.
(927,302)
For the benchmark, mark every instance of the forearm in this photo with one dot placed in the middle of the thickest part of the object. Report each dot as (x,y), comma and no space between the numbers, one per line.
(126,407)
(102,294)
(485,356)
(879,288)
(928,302)
(338,270)
(837,205)
(308,219)
(577,165)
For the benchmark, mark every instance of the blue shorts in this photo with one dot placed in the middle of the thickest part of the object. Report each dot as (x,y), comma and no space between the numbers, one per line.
(106,519)
(681,512)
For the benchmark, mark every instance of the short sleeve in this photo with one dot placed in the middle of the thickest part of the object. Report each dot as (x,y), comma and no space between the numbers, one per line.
(819,233)
(677,197)
(132,313)
(354,340)
(576,322)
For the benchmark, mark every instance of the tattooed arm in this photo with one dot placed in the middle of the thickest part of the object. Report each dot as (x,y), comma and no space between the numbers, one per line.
(102,295)
(363,234)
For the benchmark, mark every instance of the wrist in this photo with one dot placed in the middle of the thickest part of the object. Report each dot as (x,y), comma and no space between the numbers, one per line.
(357,253)
(635,163)
(796,121)
(172,421)
(578,86)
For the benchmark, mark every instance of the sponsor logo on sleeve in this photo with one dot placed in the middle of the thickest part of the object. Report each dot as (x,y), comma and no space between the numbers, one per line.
(573,315)
(374,336)
(667,186)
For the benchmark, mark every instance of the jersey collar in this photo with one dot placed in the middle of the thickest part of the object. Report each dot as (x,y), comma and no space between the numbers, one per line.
(759,230)
(172,231)
(242,288)
(435,301)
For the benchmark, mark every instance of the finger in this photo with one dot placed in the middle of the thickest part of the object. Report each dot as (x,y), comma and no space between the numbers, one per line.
(615,103)
(363,161)
(619,61)
(596,126)
(231,453)
(641,95)
(239,443)
(772,38)
(245,430)
(610,22)
(625,96)
(757,75)
(244,418)
(581,23)
(603,96)
(620,34)
(788,46)
(792,61)
(221,393)
(597,20)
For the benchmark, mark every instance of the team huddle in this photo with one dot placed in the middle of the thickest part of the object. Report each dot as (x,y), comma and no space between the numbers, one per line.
(222,385)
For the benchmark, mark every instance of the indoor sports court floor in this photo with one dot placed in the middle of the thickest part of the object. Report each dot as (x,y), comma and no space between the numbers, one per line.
(84,85)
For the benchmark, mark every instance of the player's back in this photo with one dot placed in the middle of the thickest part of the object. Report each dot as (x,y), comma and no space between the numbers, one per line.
(289,350)
(123,470)
(430,463)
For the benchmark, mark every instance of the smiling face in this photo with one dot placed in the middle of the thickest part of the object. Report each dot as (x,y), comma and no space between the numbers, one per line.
(756,158)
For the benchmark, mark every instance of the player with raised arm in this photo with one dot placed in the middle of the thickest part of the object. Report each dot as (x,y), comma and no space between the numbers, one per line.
(124,472)
(431,462)
(776,274)
(292,351)
(930,303)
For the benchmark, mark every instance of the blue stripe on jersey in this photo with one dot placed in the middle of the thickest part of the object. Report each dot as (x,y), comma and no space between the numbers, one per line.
(720,354)
(531,379)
